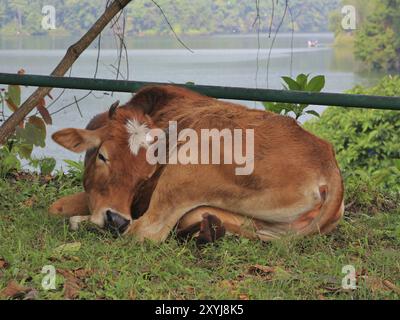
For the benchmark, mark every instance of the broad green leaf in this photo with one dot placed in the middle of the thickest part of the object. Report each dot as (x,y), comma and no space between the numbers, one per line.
(302,80)
(274,107)
(292,84)
(37,135)
(316,84)
(67,248)
(25,150)
(31,135)
(14,96)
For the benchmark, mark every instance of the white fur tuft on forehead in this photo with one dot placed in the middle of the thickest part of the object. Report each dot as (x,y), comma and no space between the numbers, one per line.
(138,135)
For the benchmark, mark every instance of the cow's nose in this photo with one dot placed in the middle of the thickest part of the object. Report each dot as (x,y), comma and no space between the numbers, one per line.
(115,222)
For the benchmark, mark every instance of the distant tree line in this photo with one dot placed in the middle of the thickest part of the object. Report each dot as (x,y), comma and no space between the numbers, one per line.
(376,39)
(186,16)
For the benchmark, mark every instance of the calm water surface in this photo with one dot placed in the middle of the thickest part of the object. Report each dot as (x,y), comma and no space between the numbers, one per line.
(217,60)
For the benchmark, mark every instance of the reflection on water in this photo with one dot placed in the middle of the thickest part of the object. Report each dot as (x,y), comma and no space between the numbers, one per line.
(217,60)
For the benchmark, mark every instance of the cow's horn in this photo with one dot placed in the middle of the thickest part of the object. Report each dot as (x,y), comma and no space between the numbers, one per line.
(112,109)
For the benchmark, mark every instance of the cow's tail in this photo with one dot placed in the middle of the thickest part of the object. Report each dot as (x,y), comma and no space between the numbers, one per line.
(332,208)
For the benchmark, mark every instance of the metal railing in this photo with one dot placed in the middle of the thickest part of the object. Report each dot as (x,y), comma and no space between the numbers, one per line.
(286,96)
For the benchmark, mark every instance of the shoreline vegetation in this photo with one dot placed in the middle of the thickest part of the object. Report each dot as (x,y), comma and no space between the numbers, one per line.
(376,39)
(143,17)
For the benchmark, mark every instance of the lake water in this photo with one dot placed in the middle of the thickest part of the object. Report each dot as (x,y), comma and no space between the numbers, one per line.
(229,60)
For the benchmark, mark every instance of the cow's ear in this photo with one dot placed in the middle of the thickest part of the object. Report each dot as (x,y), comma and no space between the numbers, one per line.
(78,140)
(150,99)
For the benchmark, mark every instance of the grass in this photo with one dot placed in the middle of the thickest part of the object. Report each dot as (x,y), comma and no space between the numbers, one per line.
(121,268)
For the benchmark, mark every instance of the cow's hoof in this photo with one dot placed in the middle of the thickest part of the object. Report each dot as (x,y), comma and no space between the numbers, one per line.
(211,229)
(116,223)
(74,223)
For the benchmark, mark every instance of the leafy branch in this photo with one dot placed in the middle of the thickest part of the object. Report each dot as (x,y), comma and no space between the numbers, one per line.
(301,83)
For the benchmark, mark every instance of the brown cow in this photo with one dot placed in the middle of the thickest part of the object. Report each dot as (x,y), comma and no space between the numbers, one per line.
(296,186)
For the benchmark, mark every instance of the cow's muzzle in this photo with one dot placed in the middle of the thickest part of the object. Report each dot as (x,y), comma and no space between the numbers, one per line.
(116,223)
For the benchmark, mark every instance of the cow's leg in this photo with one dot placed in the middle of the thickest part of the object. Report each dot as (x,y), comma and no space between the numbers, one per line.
(233,223)
(76,220)
(191,222)
(157,223)
(207,230)
(72,205)
(157,227)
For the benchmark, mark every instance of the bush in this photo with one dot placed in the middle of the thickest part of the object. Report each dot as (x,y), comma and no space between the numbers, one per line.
(30,133)
(367,142)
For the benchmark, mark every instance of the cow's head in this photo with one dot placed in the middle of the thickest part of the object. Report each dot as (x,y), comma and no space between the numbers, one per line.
(116,165)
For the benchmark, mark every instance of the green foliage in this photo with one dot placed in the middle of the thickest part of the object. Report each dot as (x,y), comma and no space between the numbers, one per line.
(378,41)
(75,170)
(19,147)
(301,83)
(187,17)
(30,133)
(45,165)
(377,38)
(366,141)
(363,10)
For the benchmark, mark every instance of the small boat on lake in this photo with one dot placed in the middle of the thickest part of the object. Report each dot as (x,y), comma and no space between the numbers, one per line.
(313,43)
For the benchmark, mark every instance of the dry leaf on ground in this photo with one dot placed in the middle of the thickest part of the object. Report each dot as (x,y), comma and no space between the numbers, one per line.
(72,284)
(16,291)
(376,284)
(29,202)
(261,270)
(391,286)
(243,296)
(74,281)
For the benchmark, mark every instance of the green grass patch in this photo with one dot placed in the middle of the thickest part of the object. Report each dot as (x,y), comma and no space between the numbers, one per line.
(101,267)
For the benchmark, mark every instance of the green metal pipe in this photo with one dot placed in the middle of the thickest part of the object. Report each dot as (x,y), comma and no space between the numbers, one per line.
(313,98)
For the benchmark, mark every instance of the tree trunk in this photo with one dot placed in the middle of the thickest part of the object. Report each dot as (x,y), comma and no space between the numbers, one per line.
(70,57)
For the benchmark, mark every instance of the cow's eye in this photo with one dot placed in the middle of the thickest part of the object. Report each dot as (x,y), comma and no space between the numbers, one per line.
(102,158)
